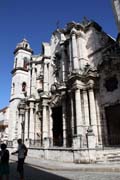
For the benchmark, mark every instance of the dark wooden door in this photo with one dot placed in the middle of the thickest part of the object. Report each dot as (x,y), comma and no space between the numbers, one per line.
(113,124)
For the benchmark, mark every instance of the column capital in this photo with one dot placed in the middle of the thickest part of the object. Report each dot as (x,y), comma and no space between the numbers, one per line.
(46,61)
(91,84)
(84,90)
(45,102)
(32,106)
(77,86)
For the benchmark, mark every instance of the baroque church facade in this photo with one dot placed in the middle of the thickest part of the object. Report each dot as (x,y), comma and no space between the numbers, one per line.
(67,99)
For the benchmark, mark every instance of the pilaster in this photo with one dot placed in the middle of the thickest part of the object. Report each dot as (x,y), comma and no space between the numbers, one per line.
(64,122)
(93,118)
(46,74)
(74,52)
(31,122)
(26,124)
(45,135)
(63,61)
(78,112)
(86,108)
(72,115)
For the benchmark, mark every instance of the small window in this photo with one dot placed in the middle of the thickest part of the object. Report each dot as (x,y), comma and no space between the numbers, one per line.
(24,86)
(26,45)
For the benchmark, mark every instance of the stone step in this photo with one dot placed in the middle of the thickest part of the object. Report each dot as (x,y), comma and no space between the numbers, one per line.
(113,160)
(110,157)
(113,156)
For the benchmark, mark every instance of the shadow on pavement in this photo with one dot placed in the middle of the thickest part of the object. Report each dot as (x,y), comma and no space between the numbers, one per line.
(32,173)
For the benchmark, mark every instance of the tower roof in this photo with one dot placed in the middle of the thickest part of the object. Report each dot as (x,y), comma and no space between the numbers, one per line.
(23,45)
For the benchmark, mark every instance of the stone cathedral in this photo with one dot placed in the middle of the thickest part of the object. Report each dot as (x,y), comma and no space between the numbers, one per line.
(65,102)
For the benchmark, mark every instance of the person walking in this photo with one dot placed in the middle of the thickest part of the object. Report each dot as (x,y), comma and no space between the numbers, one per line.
(4,162)
(22,153)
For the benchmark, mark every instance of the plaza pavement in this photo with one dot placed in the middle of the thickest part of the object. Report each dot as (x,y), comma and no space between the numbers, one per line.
(63,166)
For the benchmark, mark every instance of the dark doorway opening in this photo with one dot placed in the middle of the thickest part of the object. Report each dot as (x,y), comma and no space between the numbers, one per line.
(57,126)
(113,124)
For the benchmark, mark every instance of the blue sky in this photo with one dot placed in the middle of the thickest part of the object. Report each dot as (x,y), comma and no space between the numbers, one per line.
(35,20)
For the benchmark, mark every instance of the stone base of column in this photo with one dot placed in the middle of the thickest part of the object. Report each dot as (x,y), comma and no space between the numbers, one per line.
(27,142)
(46,142)
(77,142)
(91,139)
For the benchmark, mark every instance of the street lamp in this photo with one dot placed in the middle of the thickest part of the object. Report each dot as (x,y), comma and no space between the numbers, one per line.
(21,108)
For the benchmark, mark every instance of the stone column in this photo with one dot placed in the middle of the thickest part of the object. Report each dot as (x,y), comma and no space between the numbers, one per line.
(64,122)
(78,112)
(51,127)
(83,55)
(45,81)
(63,61)
(74,52)
(80,51)
(93,118)
(20,127)
(16,125)
(72,116)
(77,140)
(26,124)
(33,80)
(86,109)
(45,128)
(31,125)
(70,57)
(99,120)
(45,125)
(30,80)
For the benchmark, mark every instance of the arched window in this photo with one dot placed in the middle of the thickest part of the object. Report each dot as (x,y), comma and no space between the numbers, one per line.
(26,45)
(24,86)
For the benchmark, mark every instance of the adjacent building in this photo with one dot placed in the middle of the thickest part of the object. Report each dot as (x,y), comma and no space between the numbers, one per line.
(4,118)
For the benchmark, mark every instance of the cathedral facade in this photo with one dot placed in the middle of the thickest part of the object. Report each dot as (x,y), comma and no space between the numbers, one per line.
(67,99)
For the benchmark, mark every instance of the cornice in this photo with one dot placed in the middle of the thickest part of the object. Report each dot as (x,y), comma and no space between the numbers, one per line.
(19,68)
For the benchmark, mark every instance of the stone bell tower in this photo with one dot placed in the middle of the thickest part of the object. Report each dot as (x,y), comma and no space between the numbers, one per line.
(19,86)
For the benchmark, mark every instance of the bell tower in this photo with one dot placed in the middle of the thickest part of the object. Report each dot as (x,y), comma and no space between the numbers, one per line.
(20,84)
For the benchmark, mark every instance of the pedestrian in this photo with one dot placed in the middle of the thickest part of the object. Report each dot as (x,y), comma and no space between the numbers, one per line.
(4,162)
(22,153)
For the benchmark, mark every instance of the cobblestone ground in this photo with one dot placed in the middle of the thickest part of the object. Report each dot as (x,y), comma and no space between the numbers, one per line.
(32,173)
